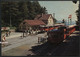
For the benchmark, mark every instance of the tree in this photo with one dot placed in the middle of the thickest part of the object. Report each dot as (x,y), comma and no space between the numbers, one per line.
(77,13)
(63,21)
(9,11)
(23,10)
(18,11)
(77,22)
(75,1)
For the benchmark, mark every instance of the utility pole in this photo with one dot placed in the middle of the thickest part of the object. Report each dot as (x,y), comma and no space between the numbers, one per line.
(10,16)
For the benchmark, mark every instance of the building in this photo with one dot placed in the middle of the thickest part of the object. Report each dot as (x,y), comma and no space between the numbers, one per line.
(46,18)
(30,25)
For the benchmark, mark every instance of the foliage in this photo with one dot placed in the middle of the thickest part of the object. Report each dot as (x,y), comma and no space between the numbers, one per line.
(63,21)
(18,11)
(77,13)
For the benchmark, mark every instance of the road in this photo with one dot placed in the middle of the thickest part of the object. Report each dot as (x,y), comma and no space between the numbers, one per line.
(18,41)
(28,46)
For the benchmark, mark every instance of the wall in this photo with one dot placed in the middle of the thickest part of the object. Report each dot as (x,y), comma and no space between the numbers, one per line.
(50,21)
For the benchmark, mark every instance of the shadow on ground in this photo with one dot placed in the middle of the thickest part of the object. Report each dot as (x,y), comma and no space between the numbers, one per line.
(68,48)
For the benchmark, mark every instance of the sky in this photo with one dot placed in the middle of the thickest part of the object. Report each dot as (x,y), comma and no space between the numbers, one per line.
(62,9)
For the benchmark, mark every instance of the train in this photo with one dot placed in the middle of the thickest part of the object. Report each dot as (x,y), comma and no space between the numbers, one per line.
(50,28)
(60,33)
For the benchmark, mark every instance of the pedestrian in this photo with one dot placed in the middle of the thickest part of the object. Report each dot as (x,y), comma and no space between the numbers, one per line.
(26,32)
(3,40)
(29,32)
(9,32)
(6,34)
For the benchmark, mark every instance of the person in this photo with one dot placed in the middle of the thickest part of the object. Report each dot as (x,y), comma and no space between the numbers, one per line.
(26,32)
(9,32)
(29,32)
(3,40)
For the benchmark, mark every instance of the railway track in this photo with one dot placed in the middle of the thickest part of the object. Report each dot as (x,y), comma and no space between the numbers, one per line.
(45,49)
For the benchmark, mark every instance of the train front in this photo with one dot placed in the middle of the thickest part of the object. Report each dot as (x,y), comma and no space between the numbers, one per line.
(56,35)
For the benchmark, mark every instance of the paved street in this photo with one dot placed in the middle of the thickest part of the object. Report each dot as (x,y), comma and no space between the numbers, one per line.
(29,46)
(18,41)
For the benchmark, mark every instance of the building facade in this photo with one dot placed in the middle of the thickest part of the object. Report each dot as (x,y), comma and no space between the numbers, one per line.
(46,18)
(43,20)
(30,25)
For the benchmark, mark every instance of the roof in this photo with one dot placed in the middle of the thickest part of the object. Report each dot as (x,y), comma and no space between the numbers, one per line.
(34,22)
(42,17)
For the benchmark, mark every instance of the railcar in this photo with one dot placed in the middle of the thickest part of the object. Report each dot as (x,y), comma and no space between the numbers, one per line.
(70,30)
(58,35)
